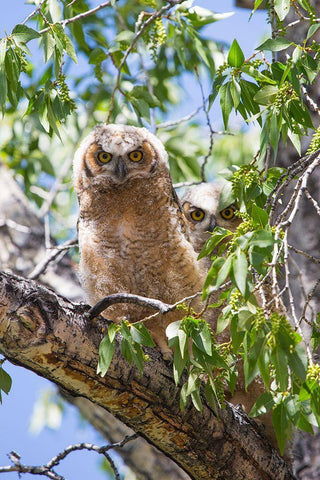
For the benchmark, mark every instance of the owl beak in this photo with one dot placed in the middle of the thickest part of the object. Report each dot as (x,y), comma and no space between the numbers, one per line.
(212,223)
(121,169)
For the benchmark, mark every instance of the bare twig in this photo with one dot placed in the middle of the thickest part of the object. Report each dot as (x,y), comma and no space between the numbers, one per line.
(308,300)
(66,22)
(313,201)
(206,158)
(305,254)
(7,222)
(59,250)
(47,469)
(32,14)
(137,300)
(294,169)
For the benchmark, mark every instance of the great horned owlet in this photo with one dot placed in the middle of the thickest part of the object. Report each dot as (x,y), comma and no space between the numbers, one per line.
(131,226)
(201,207)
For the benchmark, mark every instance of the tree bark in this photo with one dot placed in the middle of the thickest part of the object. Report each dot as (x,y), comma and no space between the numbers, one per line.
(49,335)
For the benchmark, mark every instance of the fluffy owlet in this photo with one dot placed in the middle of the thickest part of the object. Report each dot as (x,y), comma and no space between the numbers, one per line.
(131,227)
(201,207)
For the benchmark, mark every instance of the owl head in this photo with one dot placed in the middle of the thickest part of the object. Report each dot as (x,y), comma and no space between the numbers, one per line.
(200,205)
(114,154)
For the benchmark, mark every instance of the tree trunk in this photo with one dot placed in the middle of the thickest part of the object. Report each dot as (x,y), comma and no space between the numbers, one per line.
(54,338)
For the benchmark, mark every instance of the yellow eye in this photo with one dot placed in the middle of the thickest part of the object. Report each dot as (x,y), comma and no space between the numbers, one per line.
(227,213)
(135,156)
(104,157)
(197,215)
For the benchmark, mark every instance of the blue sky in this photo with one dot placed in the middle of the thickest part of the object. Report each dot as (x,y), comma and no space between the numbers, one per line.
(16,410)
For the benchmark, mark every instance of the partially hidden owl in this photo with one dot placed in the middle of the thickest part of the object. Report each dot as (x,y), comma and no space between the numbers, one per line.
(202,208)
(132,232)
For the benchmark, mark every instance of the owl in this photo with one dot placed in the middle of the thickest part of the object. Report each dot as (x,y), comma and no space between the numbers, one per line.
(132,232)
(202,211)
(201,208)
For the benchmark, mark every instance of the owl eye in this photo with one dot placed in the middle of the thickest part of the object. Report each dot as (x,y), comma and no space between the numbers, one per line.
(104,157)
(197,215)
(135,156)
(227,213)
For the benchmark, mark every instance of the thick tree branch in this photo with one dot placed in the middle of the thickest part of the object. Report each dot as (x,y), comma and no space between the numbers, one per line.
(54,338)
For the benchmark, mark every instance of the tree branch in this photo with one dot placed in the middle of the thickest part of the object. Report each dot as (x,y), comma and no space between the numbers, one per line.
(54,338)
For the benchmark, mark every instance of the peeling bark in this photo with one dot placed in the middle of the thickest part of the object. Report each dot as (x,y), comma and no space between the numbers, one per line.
(54,338)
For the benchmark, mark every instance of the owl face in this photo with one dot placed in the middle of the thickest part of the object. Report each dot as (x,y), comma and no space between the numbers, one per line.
(114,154)
(201,208)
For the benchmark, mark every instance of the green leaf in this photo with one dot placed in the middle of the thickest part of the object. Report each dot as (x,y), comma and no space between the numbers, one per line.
(282,8)
(125,36)
(172,330)
(183,397)
(206,338)
(280,363)
(266,95)
(259,215)
(281,425)
(70,50)
(298,361)
(5,381)
(113,329)
(23,34)
(240,271)
(226,102)
(141,335)
(142,93)
(106,351)
(235,56)
(200,16)
(262,239)
(224,271)
(312,30)
(226,197)
(222,323)
(235,93)
(196,400)
(275,44)
(179,364)
(182,336)
(264,403)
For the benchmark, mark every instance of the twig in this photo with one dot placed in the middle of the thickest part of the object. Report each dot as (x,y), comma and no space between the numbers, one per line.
(137,300)
(310,101)
(313,201)
(293,204)
(186,184)
(47,469)
(308,300)
(79,16)
(7,222)
(138,34)
(206,158)
(286,178)
(173,123)
(305,254)
(32,14)
(42,266)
